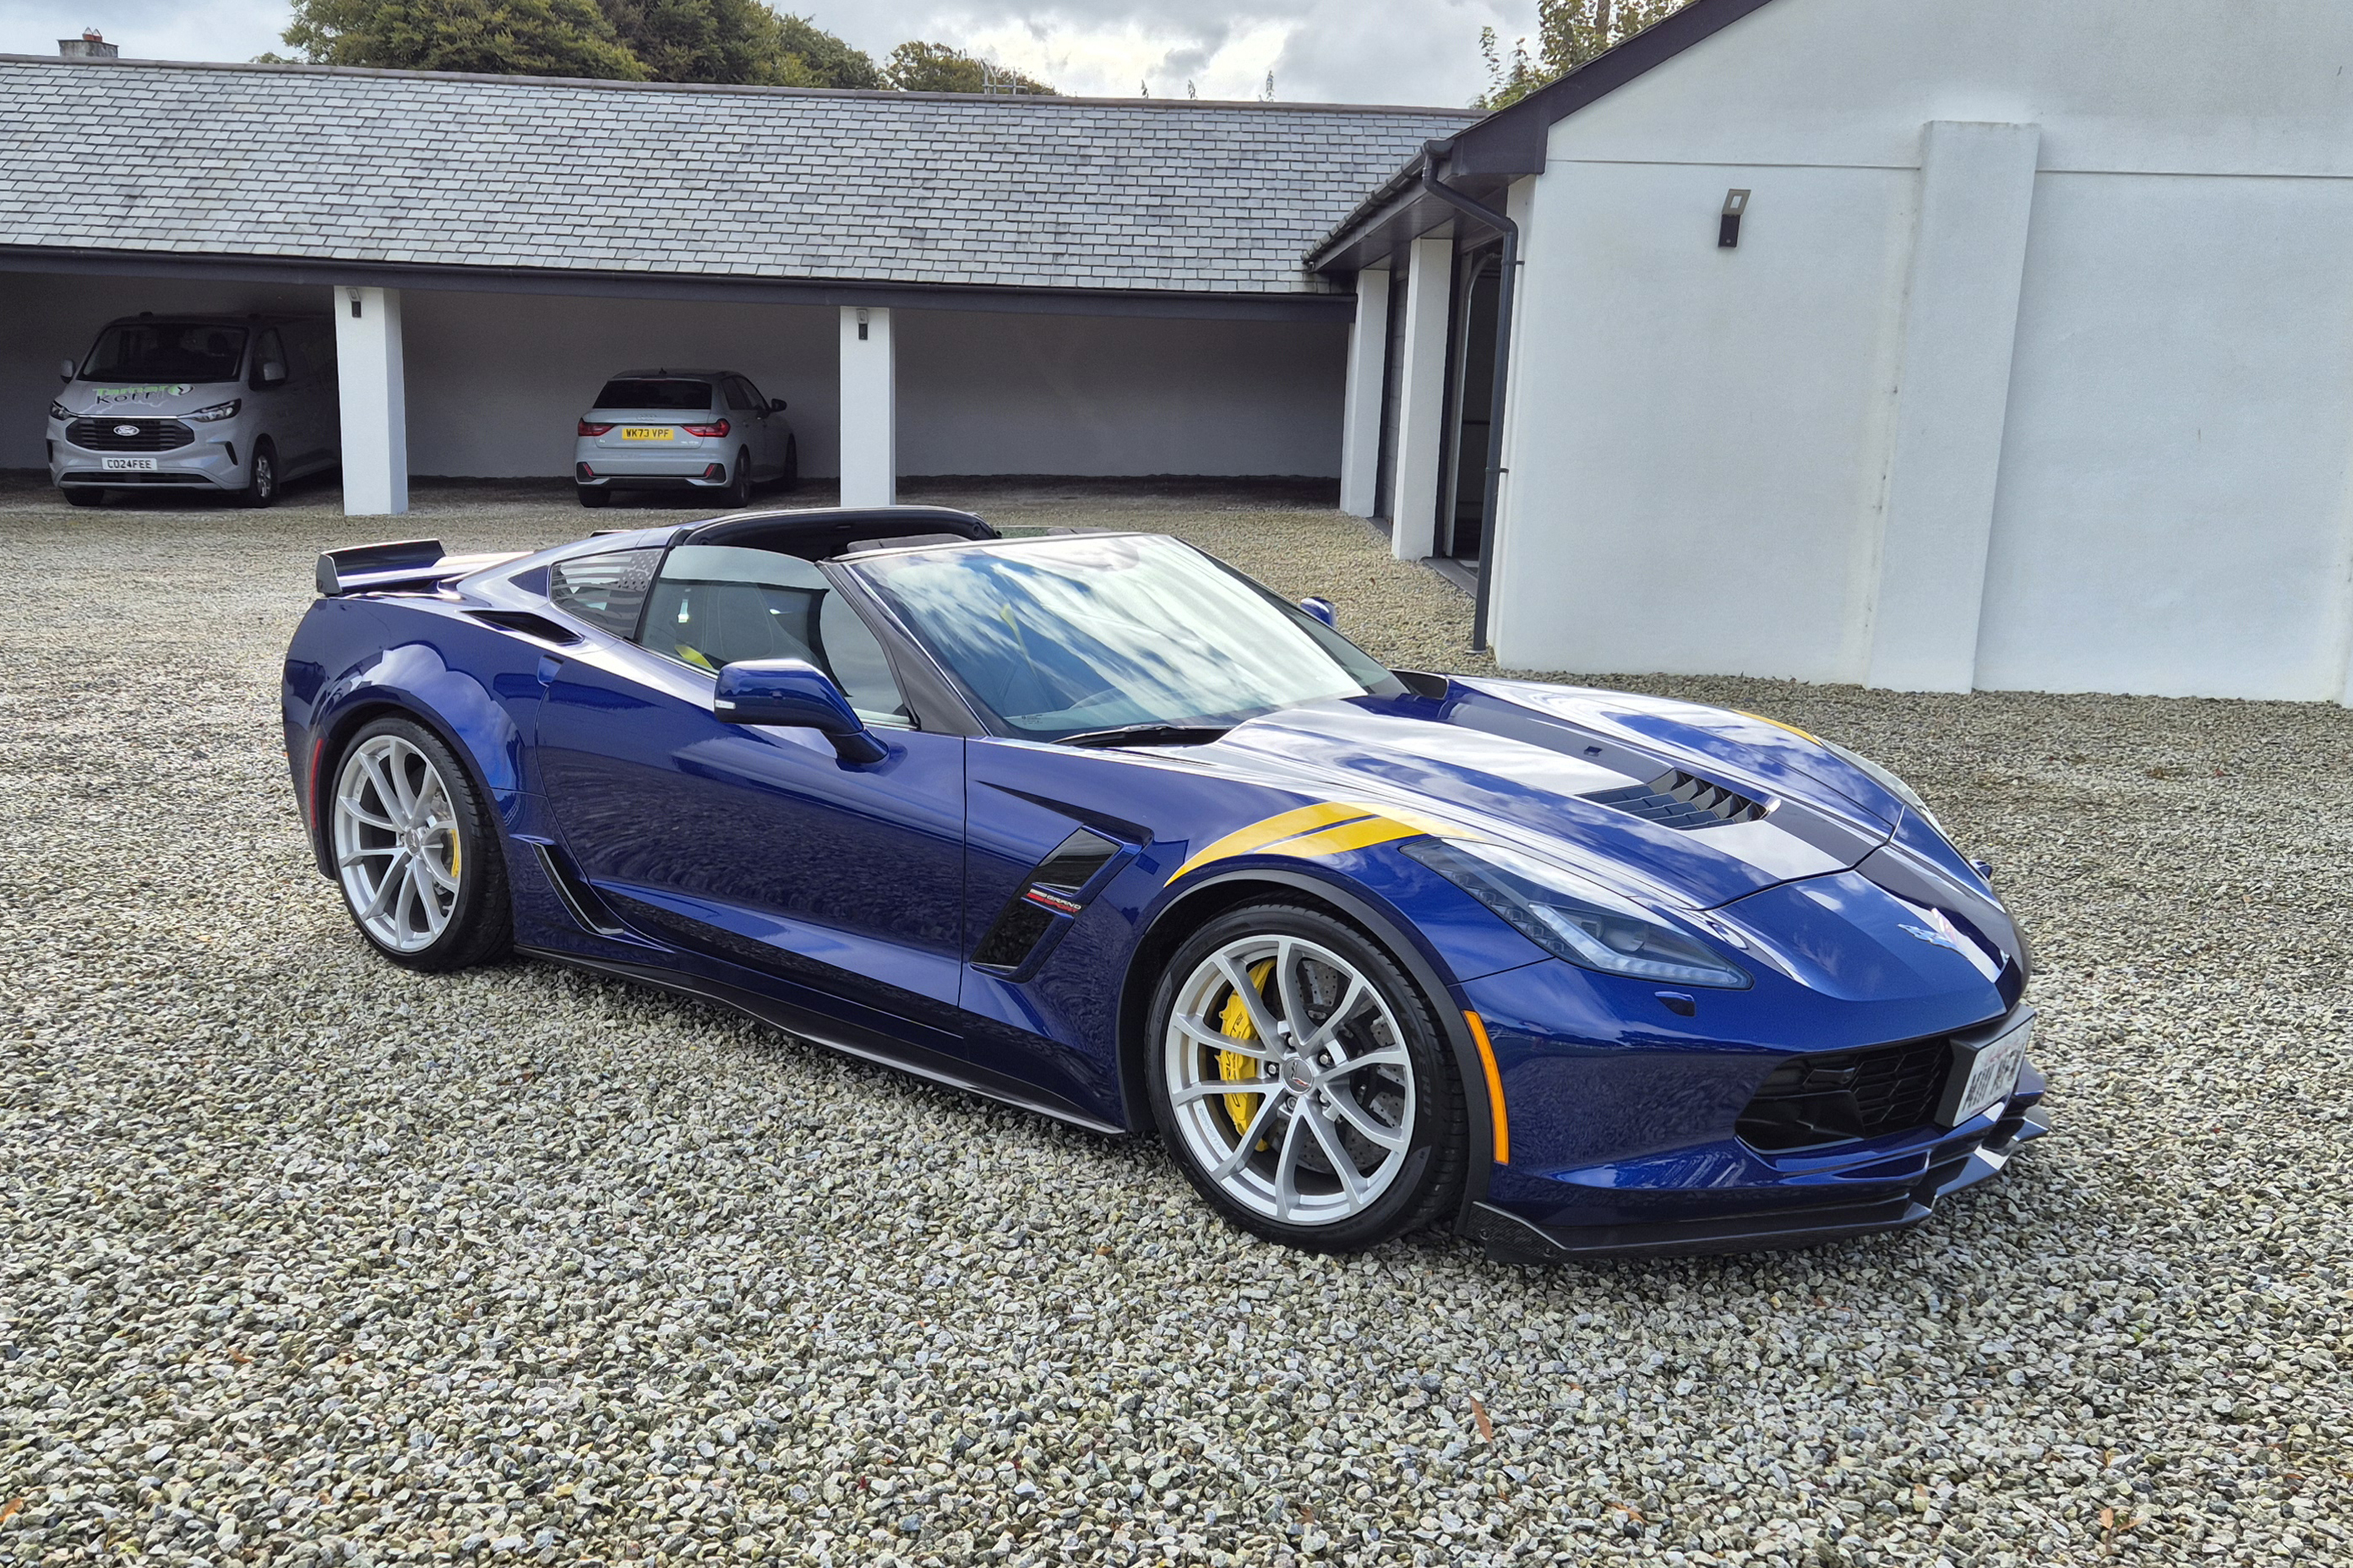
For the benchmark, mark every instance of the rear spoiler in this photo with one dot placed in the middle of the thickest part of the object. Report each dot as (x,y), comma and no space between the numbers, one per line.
(405,565)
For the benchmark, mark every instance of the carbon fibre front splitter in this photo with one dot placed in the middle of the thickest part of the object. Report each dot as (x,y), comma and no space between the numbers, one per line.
(1511,1239)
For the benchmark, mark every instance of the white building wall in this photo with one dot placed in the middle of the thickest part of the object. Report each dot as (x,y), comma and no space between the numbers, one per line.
(1703,438)
(496,382)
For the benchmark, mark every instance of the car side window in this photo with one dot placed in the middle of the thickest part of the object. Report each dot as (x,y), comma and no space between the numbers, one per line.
(269,349)
(739,395)
(714,605)
(607,590)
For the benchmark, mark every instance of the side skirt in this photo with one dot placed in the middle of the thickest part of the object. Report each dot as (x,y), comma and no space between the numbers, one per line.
(935,1066)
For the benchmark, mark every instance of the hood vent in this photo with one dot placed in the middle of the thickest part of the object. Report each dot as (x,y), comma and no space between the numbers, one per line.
(1676,799)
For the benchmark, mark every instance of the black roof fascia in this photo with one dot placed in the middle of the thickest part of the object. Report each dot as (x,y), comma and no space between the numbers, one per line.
(89,261)
(1510,143)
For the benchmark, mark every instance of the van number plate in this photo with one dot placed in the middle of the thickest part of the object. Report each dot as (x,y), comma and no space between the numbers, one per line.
(647,433)
(130,465)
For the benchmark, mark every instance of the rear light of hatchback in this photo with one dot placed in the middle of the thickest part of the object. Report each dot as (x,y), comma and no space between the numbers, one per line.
(588,429)
(718,429)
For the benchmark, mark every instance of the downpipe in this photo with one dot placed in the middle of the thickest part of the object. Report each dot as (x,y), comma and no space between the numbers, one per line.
(1506,287)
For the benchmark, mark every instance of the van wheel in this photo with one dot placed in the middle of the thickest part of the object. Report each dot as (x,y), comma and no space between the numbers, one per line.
(261,480)
(85,496)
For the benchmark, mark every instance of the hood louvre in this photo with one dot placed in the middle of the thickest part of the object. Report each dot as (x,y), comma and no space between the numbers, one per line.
(1680,800)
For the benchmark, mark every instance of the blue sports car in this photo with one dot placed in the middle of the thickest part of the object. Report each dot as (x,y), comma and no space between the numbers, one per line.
(1095,825)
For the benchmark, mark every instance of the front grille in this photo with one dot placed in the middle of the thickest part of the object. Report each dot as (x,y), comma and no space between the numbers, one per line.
(147,434)
(1676,799)
(1835,1098)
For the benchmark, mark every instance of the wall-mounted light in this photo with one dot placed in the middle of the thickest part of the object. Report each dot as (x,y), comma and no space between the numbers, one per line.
(861,323)
(356,302)
(1727,227)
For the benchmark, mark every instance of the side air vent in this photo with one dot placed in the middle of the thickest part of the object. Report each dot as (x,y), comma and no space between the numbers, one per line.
(526,623)
(1676,799)
(1812,1100)
(1058,885)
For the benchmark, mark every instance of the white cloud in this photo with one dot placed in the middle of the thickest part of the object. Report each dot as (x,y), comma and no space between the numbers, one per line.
(1365,51)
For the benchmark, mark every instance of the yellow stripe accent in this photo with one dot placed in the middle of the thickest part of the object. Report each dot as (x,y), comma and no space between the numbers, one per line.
(1503,1135)
(1258,835)
(1347,835)
(1760,718)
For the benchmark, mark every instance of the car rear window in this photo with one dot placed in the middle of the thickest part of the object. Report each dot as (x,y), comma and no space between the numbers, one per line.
(686,396)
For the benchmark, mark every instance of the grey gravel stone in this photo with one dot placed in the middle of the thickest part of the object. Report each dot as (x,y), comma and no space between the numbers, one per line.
(308,1259)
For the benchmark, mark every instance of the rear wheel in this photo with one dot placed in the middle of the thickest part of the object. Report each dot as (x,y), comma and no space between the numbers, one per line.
(1302,1082)
(593,496)
(417,851)
(738,493)
(261,479)
(85,495)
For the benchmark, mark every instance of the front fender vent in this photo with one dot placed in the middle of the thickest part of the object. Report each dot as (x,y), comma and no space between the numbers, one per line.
(1677,799)
(1056,889)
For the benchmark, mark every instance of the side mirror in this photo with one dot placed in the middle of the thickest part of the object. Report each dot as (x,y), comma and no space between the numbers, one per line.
(776,406)
(1322,611)
(273,373)
(65,370)
(795,692)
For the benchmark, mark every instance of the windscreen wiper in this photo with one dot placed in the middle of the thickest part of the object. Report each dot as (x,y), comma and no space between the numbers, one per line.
(1149,735)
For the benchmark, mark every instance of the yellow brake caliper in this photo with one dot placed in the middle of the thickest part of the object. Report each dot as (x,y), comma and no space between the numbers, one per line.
(1232,1066)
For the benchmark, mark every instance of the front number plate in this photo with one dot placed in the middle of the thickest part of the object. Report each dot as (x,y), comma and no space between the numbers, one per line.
(1987,1071)
(130,465)
(647,433)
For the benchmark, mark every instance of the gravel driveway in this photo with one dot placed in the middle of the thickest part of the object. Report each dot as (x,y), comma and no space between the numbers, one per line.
(305,1259)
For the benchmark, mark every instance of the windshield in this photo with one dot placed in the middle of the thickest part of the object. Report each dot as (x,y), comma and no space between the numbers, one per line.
(1062,636)
(167,350)
(684,396)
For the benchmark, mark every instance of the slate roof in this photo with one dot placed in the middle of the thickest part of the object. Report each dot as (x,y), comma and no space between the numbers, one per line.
(764,182)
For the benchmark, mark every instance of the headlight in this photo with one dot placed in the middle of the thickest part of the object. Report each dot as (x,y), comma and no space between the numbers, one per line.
(1574,918)
(217,411)
(59,411)
(1888,781)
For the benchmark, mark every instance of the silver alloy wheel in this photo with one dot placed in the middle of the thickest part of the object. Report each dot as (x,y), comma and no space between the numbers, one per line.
(396,842)
(1318,1127)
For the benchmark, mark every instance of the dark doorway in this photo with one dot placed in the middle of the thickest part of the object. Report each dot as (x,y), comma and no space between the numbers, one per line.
(1463,484)
(1392,365)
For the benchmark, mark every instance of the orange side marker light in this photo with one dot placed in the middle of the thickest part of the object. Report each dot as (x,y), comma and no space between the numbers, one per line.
(1502,1139)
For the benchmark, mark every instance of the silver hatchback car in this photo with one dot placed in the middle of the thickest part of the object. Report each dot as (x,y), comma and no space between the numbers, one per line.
(234,405)
(684,430)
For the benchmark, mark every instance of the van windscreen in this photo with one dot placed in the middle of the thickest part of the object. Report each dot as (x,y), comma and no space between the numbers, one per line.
(167,350)
(684,396)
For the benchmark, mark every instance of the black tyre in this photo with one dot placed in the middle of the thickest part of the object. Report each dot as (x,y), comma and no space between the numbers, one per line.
(417,850)
(593,496)
(261,477)
(792,481)
(84,495)
(1351,1128)
(738,493)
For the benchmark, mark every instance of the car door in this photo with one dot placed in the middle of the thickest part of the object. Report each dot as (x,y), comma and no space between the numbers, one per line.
(755,845)
(752,413)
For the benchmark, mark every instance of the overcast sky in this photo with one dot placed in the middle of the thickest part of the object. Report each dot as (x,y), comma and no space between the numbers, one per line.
(1361,51)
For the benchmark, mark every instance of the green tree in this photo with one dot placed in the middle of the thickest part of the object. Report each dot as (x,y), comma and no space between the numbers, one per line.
(917,67)
(829,62)
(1569,34)
(709,41)
(516,37)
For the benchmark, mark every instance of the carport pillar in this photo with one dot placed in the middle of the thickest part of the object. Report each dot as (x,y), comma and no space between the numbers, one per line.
(1360,426)
(374,390)
(1421,397)
(869,429)
(1952,401)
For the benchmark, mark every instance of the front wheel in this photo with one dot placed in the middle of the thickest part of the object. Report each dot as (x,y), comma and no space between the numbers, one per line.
(261,479)
(417,850)
(1302,1082)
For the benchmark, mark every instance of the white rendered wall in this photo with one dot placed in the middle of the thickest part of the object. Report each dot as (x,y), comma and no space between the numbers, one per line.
(1706,457)
(868,409)
(1360,434)
(1421,397)
(372,386)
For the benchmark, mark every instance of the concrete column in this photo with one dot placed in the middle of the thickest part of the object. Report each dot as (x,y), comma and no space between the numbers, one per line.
(1422,398)
(1952,399)
(869,434)
(374,390)
(1360,426)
